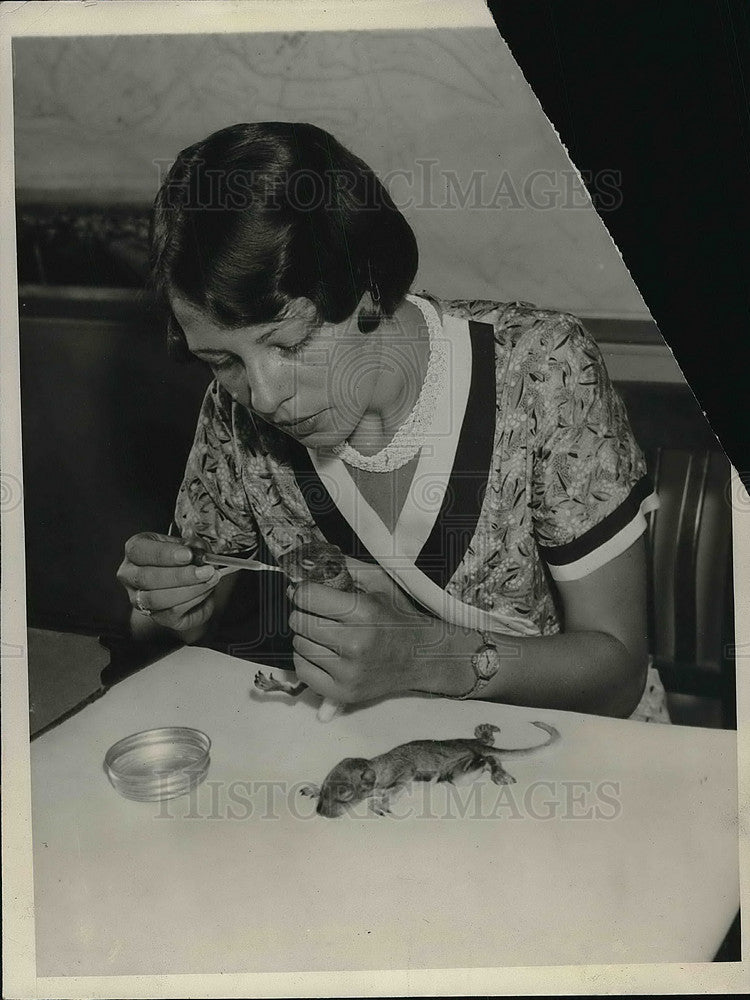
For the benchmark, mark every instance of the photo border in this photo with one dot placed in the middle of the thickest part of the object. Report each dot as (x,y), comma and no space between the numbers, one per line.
(56,18)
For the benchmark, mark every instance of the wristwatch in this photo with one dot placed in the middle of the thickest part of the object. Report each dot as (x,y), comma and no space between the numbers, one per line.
(486,663)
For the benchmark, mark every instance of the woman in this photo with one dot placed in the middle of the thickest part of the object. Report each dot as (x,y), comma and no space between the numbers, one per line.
(483,482)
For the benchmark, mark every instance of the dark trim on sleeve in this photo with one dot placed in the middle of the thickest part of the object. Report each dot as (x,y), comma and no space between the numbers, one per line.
(561,555)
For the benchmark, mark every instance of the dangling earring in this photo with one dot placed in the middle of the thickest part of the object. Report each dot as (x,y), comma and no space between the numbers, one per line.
(374,290)
(367,322)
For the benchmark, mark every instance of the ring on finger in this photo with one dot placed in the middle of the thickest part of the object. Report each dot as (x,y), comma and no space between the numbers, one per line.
(139,606)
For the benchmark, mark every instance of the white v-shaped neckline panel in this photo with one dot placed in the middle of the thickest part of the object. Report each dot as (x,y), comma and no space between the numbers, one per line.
(438,454)
(397,552)
(434,467)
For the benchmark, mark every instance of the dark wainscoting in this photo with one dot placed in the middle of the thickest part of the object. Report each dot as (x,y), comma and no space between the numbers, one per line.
(107,422)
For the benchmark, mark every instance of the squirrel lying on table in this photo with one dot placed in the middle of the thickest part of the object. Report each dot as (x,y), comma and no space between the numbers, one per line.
(379,779)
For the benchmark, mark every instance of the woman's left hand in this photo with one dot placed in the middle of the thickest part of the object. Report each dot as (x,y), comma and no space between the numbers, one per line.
(353,647)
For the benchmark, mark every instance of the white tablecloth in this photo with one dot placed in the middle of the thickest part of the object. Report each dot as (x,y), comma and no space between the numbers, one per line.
(617,845)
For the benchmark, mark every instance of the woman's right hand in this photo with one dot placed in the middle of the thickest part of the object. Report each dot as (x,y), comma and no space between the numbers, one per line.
(163,585)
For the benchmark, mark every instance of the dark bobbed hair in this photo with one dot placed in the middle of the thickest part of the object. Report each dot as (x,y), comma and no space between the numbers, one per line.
(259,214)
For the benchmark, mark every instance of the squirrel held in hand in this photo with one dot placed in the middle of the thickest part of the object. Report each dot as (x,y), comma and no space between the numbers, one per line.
(313,562)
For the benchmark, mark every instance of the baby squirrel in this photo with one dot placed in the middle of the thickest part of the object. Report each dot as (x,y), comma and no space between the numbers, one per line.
(355,779)
(313,562)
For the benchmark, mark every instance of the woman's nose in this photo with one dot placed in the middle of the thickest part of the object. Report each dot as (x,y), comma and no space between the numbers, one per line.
(267,388)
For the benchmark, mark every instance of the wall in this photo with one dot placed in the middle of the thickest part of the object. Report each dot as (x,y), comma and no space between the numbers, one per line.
(95,117)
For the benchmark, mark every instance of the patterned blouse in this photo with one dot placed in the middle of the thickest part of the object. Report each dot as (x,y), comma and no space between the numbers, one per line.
(546,480)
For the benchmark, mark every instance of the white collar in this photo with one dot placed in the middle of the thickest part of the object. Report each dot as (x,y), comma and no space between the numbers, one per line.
(434,466)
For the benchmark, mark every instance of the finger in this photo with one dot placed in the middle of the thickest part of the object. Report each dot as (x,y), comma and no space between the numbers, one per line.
(325,602)
(324,631)
(316,678)
(163,578)
(322,656)
(149,548)
(173,598)
(347,641)
(328,710)
(188,615)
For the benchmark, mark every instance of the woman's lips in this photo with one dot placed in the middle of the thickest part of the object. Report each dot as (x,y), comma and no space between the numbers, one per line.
(303,426)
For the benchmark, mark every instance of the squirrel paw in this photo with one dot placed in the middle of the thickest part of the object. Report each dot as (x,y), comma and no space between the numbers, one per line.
(265,683)
(270,683)
(381,807)
(502,778)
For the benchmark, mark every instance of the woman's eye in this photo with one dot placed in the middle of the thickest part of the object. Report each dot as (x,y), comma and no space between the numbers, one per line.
(291,349)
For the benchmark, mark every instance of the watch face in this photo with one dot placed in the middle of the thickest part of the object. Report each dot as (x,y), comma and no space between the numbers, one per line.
(487,663)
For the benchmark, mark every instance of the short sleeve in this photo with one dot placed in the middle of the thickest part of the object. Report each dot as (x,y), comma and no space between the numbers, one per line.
(590,490)
(212,505)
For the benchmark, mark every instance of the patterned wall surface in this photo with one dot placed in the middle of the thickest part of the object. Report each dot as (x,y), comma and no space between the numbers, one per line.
(444,116)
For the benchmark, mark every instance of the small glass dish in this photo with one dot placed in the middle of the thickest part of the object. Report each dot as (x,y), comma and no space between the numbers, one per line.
(158,763)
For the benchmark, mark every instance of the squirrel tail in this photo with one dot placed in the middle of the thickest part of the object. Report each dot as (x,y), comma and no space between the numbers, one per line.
(485,733)
(553,736)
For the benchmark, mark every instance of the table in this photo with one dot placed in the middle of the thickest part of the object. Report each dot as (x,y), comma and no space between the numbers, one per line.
(617,845)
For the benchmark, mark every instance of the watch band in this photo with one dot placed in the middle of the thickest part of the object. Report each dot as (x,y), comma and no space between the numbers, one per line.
(481,680)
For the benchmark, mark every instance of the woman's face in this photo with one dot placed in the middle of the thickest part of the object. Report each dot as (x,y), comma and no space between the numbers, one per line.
(313,382)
